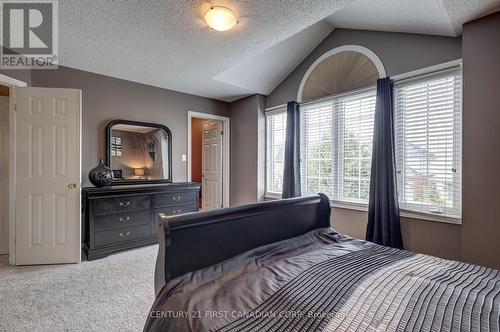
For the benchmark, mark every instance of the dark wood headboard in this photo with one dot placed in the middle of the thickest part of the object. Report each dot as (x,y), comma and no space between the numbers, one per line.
(194,241)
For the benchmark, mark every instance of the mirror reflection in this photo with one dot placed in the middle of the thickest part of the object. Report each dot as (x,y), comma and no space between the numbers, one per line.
(139,152)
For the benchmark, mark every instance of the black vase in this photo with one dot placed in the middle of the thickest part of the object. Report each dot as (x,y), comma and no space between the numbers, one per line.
(101,175)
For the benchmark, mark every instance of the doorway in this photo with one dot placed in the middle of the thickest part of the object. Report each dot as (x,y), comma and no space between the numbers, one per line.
(39,173)
(4,169)
(7,84)
(208,158)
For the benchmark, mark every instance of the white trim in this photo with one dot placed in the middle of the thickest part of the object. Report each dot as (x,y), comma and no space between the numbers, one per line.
(270,195)
(207,116)
(79,204)
(226,156)
(349,206)
(340,95)
(346,48)
(12,177)
(402,213)
(275,108)
(428,70)
(12,83)
(275,111)
(429,217)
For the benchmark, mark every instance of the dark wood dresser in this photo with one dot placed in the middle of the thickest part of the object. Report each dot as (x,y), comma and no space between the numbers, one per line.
(123,217)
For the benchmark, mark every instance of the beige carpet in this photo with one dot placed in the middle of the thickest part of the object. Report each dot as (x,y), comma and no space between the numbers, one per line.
(110,294)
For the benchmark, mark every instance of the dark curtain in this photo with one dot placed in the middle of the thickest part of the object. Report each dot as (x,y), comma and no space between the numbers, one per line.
(291,174)
(383,210)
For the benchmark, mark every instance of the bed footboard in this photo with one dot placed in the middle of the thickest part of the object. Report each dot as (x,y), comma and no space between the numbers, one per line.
(197,240)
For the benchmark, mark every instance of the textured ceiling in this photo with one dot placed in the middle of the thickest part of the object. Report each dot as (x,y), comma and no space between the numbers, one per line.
(165,43)
(265,70)
(435,17)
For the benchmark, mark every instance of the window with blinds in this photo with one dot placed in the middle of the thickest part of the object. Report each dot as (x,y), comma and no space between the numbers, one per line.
(336,144)
(356,119)
(275,151)
(428,132)
(317,148)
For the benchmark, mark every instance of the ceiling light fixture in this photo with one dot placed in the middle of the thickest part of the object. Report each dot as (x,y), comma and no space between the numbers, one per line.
(220,18)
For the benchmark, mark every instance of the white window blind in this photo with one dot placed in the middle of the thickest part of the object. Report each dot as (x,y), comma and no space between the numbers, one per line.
(336,143)
(275,151)
(356,118)
(428,133)
(317,148)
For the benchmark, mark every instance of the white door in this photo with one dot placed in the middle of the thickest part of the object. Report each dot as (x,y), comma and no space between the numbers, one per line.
(47,180)
(212,165)
(4,175)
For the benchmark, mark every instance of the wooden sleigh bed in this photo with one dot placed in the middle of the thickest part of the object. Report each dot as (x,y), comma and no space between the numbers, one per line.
(278,266)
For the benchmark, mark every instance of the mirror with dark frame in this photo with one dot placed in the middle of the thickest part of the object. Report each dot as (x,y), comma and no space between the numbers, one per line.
(138,152)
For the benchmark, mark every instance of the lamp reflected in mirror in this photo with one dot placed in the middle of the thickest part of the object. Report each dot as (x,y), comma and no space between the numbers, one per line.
(139,172)
(138,152)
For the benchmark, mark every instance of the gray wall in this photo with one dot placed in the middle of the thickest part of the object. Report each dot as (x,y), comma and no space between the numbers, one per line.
(481,142)
(399,52)
(19,74)
(433,238)
(106,98)
(247,150)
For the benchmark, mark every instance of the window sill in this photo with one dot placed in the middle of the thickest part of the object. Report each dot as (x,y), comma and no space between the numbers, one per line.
(349,206)
(271,196)
(430,217)
(403,213)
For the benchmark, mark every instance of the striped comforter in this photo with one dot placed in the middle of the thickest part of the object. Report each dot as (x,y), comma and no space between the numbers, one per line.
(323,281)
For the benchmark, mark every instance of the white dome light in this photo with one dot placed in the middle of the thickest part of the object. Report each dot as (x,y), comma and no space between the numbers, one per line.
(220,18)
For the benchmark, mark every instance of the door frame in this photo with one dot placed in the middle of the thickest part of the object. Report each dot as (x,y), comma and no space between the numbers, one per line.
(226,152)
(12,83)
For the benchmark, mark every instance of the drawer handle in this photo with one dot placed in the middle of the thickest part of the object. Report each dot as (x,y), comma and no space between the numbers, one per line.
(176,198)
(124,204)
(127,218)
(124,235)
(174,211)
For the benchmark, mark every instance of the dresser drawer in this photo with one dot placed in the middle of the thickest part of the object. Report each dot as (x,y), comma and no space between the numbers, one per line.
(119,220)
(174,210)
(178,198)
(121,235)
(120,204)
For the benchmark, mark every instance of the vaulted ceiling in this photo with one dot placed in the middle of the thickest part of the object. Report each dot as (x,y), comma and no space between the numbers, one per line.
(167,44)
(434,17)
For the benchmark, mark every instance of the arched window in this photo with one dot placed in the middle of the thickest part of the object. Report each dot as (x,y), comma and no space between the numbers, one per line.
(337,96)
(345,68)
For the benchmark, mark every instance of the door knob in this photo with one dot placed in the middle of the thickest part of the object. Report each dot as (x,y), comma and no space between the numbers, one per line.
(72,185)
